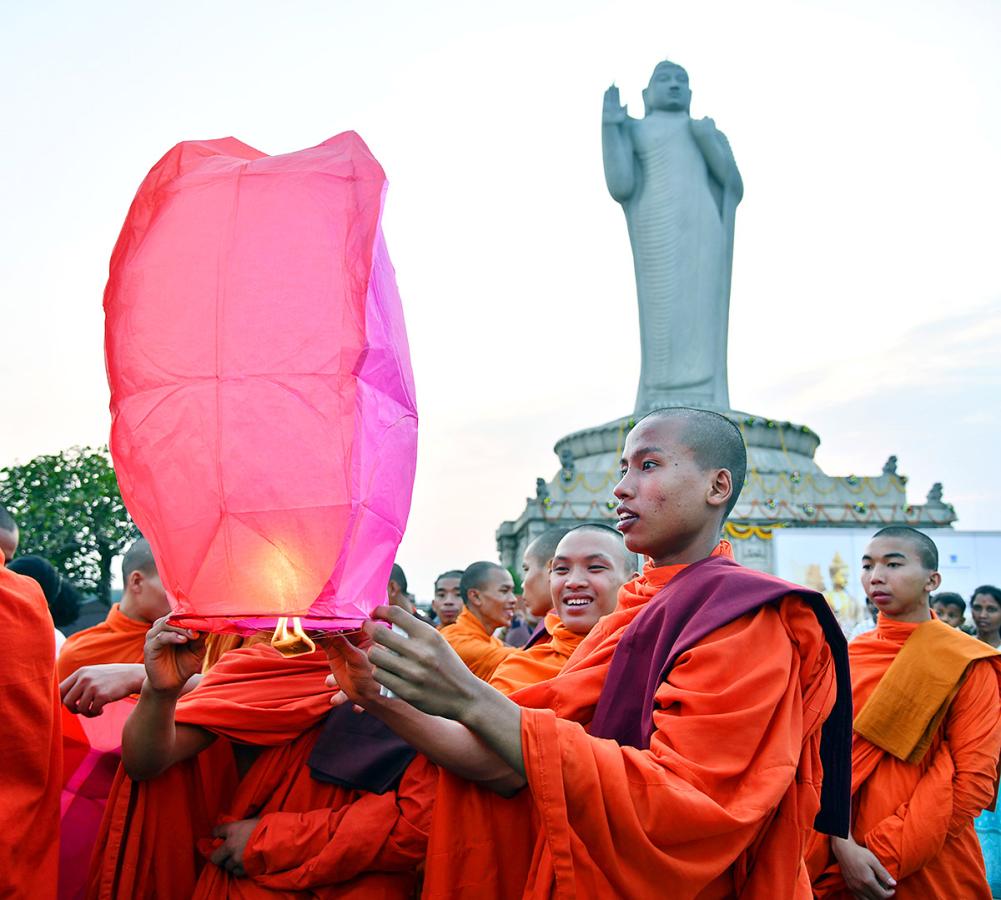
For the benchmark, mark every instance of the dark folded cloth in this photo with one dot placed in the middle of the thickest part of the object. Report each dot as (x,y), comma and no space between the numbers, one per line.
(358,751)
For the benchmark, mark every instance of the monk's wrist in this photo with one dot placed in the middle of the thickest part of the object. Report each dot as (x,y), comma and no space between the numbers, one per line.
(160,696)
(478,708)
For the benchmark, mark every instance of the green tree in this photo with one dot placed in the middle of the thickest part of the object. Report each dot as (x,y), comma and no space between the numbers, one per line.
(69,509)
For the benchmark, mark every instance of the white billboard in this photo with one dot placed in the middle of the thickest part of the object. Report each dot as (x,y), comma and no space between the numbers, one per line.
(830,560)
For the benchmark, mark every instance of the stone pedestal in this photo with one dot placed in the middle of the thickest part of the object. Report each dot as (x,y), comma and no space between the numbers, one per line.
(784,488)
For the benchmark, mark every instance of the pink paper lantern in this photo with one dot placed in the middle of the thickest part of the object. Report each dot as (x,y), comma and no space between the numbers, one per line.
(264,422)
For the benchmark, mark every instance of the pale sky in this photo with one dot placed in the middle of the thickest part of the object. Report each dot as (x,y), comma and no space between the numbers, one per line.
(866,296)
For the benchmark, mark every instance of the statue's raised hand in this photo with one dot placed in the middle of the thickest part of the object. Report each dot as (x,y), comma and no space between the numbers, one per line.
(613,112)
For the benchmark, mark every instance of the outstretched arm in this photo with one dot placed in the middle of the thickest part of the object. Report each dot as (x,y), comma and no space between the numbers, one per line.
(441,709)
(617,147)
(151,742)
(90,688)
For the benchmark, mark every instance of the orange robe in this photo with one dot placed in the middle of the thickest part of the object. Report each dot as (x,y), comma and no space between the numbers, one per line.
(351,844)
(538,663)
(917,818)
(118,639)
(479,649)
(718,806)
(320,839)
(30,742)
(146,846)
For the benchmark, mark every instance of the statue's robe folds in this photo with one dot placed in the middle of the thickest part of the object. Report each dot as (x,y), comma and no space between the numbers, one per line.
(147,843)
(716,807)
(118,639)
(681,253)
(30,742)
(917,816)
(540,662)
(478,649)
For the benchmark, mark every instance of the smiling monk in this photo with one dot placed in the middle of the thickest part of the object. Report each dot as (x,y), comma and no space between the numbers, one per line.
(926,742)
(487,590)
(679,751)
(589,565)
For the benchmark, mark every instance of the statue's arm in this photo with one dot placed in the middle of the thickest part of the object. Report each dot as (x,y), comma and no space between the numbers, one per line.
(715,149)
(617,147)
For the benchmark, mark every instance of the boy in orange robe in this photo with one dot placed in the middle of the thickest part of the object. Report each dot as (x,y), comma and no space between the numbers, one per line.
(30,743)
(487,590)
(179,766)
(120,638)
(688,765)
(926,742)
(589,565)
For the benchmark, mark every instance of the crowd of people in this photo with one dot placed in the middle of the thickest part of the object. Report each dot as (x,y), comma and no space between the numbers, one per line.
(646,718)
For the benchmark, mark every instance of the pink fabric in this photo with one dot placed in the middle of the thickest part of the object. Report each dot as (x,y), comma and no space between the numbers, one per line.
(264,423)
(92,751)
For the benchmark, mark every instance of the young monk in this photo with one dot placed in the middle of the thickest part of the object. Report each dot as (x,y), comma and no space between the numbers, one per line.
(589,566)
(487,591)
(535,566)
(120,638)
(926,743)
(679,751)
(30,743)
(179,755)
(447,602)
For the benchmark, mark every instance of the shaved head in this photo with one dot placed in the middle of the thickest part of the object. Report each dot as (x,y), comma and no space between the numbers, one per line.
(476,576)
(544,546)
(139,557)
(925,546)
(715,442)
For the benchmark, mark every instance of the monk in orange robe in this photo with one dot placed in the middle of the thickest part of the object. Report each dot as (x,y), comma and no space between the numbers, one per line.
(687,765)
(927,735)
(588,566)
(104,669)
(487,590)
(447,602)
(30,742)
(292,834)
(120,638)
(185,752)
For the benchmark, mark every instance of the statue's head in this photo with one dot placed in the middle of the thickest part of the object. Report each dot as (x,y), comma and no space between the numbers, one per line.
(668,89)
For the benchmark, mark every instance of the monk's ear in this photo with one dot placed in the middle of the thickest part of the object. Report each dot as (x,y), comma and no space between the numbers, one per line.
(720,488)
(135,582)
(934,582)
